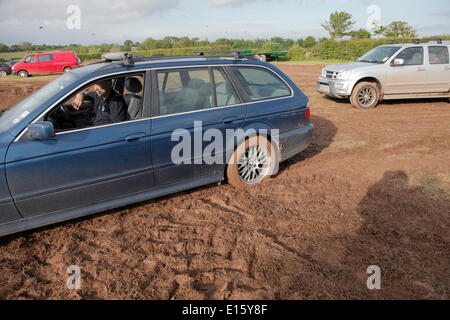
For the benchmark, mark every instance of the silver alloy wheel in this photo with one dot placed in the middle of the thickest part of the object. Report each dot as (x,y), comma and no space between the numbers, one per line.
(3,74)
(23,74)
(367,96)
(253,164)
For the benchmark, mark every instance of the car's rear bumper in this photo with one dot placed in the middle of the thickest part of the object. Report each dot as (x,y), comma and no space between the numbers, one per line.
(335,88)
(295,141)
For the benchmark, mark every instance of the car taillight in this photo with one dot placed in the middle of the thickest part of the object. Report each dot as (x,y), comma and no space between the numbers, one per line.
(308,113)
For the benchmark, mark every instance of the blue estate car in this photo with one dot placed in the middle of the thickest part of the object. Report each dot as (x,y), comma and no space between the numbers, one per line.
(55,164)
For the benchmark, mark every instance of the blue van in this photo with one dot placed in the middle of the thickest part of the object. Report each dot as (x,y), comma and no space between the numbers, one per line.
(129,129)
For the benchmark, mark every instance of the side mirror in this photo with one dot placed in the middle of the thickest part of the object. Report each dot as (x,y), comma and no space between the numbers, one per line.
(398,62)
(42,130)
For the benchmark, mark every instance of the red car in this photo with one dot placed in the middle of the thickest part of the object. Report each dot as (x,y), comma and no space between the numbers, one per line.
(48,62)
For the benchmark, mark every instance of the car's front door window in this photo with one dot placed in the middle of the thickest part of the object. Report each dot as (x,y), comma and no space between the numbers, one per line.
(104,102)
(412,56)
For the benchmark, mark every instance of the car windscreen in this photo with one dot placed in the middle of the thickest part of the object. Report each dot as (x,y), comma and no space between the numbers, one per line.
(379,55)
(14,115)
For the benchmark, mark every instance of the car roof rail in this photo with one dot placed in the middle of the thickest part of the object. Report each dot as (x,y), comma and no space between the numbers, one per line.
(128,59)
(236,54)
(415,41)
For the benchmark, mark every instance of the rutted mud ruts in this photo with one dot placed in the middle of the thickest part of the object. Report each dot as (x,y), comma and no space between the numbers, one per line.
(13,92)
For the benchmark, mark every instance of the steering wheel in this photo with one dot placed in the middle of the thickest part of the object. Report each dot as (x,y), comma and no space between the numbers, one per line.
(66,114)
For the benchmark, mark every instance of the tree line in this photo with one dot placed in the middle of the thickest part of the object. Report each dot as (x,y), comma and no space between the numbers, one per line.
(339,25)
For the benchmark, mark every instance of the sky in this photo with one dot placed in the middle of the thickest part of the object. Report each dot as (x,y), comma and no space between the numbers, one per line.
(113,21)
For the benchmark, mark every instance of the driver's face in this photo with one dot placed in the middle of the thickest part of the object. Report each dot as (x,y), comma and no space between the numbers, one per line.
(103,88)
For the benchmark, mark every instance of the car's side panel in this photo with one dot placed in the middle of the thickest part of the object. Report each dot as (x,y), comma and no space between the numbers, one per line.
(8,211)
(80,168)
(72,213)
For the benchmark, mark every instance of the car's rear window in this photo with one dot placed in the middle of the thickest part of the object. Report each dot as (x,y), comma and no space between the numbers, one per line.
(261,84)
(438,55)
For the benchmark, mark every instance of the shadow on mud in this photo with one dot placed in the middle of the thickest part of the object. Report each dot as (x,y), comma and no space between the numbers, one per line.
(403,231)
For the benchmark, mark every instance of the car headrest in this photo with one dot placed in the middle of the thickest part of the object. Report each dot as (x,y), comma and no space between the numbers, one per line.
(223,88)
(195,84)
(133,85)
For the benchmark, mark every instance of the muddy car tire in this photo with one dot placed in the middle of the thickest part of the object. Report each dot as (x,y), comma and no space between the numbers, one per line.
(22,74)
(365,95)
(251,162)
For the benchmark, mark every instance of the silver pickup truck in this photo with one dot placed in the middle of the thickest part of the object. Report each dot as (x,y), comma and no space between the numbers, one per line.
(397,71)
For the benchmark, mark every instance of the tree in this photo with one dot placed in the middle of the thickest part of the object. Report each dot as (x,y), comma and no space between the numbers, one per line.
(398,29)
(339,24)
(3,47)
(25,46)
(309,42)
(127,44)
(359,34)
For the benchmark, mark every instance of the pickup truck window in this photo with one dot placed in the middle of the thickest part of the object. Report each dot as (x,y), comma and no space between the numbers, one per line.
(378,55)
(438,55)
(412,56)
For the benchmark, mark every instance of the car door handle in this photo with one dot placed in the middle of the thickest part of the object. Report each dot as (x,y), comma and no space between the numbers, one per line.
(229,120)
(421,69)
(135,137)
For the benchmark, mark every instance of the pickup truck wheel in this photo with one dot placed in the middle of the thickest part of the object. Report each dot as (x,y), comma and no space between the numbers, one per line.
(3,73)
(252,161)
(365,95)
(22,74)
(66,69)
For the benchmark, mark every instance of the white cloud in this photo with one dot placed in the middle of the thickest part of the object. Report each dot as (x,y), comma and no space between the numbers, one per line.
(50,12)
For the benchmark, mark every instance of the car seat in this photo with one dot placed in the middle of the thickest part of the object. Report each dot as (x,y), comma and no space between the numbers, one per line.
(133,99)
(225,95)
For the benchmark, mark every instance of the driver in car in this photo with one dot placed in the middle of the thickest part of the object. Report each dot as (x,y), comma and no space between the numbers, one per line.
(109,106)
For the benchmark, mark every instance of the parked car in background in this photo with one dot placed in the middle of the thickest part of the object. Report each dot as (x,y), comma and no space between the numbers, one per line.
(5,69)
(396,71)
(55,165)
(48,62)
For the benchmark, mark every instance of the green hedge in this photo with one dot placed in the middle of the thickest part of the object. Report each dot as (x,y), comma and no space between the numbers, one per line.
(341,50)
(344,50)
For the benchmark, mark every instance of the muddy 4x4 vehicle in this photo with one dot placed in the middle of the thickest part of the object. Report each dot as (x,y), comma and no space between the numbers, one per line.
(396,71)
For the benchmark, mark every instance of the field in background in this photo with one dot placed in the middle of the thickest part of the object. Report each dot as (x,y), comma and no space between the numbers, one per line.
(12,55)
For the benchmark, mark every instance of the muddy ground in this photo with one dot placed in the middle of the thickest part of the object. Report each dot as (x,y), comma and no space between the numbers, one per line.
(372,189)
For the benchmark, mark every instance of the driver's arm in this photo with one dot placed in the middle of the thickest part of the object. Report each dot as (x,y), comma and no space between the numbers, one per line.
(80,97)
